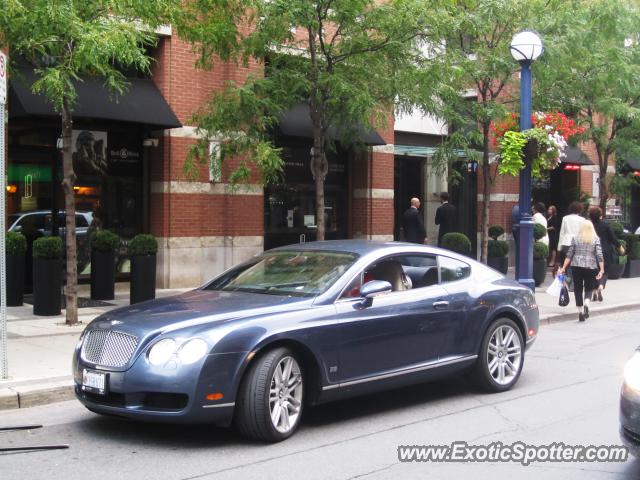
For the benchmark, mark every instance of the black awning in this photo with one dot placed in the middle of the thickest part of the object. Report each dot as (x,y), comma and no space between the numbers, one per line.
(297,123)
(576,156)
(634,163)
(142,102)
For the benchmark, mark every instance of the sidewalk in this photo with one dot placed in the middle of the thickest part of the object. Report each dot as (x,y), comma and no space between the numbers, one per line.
(40,348)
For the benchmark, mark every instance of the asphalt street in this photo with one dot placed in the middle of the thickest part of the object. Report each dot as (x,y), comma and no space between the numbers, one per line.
(568,393)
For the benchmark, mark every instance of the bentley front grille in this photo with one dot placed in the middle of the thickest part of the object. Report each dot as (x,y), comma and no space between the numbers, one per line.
(108,348)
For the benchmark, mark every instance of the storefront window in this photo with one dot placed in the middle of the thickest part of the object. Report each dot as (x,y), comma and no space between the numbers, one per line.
(290,208)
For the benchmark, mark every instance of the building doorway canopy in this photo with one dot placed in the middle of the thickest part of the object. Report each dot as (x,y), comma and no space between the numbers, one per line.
(142,102)
(296,122)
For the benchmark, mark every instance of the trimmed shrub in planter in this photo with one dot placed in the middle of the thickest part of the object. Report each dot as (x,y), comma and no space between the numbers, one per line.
(497,251)
(142,250)
(538,231)
(47,275)
(457,242)
(617,228)
(540,254)
(103,264)
(496,231)
(616,268)
(632,267)
(16,245)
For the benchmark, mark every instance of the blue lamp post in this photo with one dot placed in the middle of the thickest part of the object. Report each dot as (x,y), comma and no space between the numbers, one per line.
(526,47)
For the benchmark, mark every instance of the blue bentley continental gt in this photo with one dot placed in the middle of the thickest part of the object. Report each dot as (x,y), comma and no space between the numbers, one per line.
(302,325)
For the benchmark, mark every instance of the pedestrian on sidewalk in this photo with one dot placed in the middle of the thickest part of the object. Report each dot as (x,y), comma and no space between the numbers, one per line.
(553,230)
(568,230)
(587,264)
(609,243)
(413,224)
(538,217)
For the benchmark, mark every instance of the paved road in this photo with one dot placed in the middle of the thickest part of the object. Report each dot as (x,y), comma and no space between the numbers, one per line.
(568,393)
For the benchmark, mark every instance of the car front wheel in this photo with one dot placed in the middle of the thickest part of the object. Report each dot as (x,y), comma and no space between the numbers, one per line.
(270,400)
(501,356)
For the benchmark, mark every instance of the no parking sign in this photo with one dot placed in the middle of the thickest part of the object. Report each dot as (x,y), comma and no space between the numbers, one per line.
(3,78)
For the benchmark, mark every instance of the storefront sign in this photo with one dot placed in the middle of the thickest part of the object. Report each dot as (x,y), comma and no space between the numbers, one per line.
(124,155)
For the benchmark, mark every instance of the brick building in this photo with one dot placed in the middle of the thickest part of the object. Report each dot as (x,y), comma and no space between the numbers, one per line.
(203,227)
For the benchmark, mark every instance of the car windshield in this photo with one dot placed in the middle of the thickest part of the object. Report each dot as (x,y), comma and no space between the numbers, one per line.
(304,274)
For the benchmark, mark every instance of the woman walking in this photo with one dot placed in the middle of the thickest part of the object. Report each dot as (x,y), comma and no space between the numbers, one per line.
(587,265)
(608,241)
(553,230)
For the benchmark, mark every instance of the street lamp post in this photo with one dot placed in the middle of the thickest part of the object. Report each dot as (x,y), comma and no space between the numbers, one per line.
(526,47)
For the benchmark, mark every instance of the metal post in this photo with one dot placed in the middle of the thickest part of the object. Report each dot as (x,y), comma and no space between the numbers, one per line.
(4,364)
(524,266)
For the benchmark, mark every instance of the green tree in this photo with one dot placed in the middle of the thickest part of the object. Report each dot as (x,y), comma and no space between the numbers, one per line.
(350,61)
(68,40)
(480,62)
(591,70)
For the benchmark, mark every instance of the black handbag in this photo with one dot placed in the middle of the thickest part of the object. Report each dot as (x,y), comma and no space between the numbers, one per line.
(563,301)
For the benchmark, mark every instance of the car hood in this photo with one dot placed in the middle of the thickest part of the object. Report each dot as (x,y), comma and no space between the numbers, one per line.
(194,308)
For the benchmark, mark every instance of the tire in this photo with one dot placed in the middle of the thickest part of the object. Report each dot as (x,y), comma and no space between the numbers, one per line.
(264,410)
(498,368)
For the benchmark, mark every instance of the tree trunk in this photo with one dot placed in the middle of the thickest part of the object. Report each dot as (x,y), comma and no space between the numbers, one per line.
(319,166)
(69,179)
(604,188)
(486,193)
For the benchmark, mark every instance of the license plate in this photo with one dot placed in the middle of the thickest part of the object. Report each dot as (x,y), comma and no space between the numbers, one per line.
(95,382)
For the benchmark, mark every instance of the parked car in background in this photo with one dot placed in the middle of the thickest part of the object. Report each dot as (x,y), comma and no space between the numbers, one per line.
(302,325)
(638,231)
(39,223)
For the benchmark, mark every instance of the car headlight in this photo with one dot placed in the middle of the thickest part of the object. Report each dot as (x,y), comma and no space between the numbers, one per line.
(162,351)
(192,351)
(632,372)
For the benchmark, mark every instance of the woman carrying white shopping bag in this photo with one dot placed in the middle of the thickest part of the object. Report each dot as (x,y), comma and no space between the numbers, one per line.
(587,265)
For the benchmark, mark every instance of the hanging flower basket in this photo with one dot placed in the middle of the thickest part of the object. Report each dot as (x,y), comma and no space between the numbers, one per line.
(543,145)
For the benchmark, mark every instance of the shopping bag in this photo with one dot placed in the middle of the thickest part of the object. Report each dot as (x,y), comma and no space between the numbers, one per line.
(563,299)
(556,286)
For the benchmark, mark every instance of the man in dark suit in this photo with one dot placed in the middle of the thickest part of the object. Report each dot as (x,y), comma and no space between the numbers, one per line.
(413,224)
(446,217)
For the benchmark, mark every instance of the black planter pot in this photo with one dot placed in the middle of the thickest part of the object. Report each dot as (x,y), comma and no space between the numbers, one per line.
(499,263)
(15,279)
(143,278)
(103,275)
(47,286)
(539,270)
(632,268)
(615,270)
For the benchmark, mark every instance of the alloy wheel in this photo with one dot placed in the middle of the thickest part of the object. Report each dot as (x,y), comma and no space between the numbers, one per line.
(285,394)
(504,354)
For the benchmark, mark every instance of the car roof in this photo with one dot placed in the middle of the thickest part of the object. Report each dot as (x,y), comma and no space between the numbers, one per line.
(361,247)
(35,212)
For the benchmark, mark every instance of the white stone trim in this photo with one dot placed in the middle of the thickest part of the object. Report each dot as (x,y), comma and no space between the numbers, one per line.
(206,188)
(388,148)
(167,243)
(183,132)
(378,238)
(380,193)
(501,197)
(164,30)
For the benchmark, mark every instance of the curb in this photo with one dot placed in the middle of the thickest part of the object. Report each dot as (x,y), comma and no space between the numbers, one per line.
(24,395)
(31,393)
(566,317)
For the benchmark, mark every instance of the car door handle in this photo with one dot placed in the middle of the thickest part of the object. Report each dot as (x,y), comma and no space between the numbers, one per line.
(441,305)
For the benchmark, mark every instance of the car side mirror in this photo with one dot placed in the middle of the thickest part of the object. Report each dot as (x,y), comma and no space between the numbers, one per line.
(373,289)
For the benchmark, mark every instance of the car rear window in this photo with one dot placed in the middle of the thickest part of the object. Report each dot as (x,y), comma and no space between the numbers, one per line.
(291,273)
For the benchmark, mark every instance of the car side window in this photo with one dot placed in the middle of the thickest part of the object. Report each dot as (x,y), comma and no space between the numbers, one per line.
(452,270)
(81,221)
(421,270)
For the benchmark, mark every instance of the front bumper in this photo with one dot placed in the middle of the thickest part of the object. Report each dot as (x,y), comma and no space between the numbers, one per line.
(148,393)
